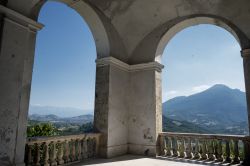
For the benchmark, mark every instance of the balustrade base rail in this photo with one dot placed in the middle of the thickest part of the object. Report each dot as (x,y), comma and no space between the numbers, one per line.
(232,149)
(59,150)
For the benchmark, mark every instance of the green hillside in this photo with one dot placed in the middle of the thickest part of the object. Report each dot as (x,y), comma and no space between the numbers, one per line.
(171,125)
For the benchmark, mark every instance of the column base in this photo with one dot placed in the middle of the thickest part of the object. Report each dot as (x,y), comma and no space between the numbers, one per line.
(113,151)
(4,162)
(146,150)
(20,164)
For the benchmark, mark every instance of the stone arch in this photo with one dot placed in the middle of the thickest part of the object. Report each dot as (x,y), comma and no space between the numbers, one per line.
(107,40)
(238,35)
(152,46)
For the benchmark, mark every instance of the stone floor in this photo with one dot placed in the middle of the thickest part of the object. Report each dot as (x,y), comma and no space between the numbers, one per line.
(130,160)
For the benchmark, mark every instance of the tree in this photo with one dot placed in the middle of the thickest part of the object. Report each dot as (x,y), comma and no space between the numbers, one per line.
(87,127)
(42,129)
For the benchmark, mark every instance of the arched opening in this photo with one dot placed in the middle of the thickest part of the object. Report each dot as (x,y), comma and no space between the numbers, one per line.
(197,20)
(203,80)
(63,84)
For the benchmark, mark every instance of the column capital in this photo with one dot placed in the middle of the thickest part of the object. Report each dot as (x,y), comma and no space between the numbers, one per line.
(245,53)
(129,68)
(20,19)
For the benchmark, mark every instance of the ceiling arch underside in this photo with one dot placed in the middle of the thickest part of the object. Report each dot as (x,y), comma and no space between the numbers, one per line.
(133,30)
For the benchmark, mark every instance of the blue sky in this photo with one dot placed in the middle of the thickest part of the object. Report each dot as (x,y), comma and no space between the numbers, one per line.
(64,69)
(197,58)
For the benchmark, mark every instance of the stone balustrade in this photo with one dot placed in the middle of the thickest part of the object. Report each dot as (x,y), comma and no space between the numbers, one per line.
(59,150)
(217,148)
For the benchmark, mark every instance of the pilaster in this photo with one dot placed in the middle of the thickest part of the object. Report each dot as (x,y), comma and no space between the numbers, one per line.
(16,63)
(246,64)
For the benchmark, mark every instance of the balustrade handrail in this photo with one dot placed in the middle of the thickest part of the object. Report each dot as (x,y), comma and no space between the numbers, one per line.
(232,149)
(206,136)
(59,150)
(33,140)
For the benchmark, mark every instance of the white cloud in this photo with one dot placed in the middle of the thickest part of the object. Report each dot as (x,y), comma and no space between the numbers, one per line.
(36,104)
(200,88)
(169,95)
(173,92)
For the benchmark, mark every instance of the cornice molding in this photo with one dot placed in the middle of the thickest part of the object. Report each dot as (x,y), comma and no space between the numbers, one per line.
(129,68)
(245,53)
(20,19)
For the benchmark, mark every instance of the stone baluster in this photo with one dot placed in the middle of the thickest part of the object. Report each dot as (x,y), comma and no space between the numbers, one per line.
(236,158)
(60,153)
(218,151)
(204,150)
(181,148)
(196,149)
(29,155)
(79,152)
(46,154)
(66,152)
(188,148)
(228,153)
(76,149)
(89,148)
(85,149)
(168,144)
(211,150)
(94,147)
(37,155)
(73,150)
(162,145)
(52,156)
(246,143)
(174,147)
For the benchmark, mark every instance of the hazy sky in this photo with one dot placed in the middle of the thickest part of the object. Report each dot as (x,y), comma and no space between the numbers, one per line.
(64,70)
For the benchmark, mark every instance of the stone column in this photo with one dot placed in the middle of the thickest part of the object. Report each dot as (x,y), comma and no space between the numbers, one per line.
(111,106)
(128,107)
(145,108)
(246,63)
(16,63)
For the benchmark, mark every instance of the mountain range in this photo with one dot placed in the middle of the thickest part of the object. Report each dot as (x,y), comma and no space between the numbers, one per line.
(218,109)
(58,111)
(82,119)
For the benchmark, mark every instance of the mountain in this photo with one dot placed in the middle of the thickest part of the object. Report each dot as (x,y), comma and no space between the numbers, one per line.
(58,111)
(172,125)
(218,109)
(44,118)
(82,119)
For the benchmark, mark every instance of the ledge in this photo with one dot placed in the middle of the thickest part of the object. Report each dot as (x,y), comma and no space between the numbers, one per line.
(129,68)
(245,53)
(20,19)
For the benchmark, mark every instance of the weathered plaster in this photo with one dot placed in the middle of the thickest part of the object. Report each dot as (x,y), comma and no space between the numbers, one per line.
(128,87)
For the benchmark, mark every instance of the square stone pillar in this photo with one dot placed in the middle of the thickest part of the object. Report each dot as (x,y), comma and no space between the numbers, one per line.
(16,63)
(128,107)
(246,64)
(145,114)
(111,106)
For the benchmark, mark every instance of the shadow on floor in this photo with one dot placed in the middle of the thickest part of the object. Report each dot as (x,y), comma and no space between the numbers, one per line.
(133,160)
(199,162)
(112,160)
